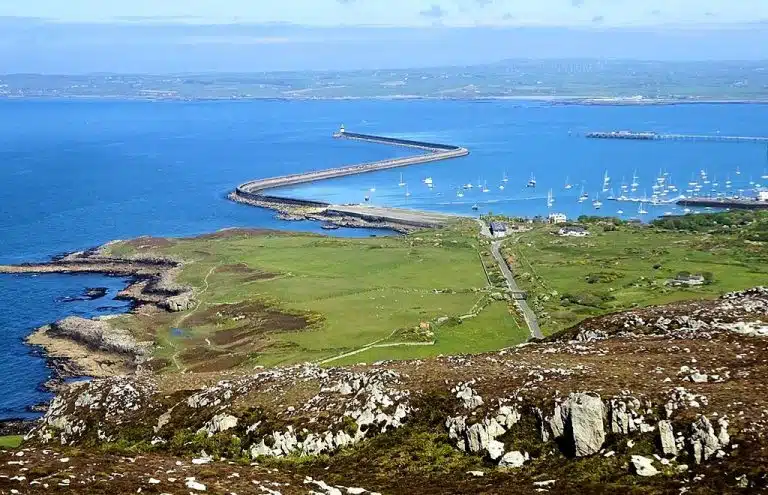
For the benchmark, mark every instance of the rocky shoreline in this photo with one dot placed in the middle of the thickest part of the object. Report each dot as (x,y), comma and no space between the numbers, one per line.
(294,212)
(78,347)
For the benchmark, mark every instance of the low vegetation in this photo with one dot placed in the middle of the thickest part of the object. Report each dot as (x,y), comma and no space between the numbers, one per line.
(268,298)
(622,265)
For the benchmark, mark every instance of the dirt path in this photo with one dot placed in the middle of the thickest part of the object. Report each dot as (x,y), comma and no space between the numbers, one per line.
(183,318)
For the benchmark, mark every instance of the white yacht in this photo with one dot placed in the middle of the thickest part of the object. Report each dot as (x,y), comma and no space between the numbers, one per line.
(597,203)
(532,181)
(641,210)
(402,182)
(568,185)
(428,181)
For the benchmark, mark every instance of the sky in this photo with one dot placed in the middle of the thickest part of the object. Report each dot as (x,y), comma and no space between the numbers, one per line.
(401,13)
(77,36)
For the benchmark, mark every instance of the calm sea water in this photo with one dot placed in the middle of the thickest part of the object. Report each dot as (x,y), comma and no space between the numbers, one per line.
(77,174)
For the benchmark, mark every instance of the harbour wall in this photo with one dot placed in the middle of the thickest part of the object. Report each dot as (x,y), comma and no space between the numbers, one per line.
(255,189)
(743,204)
(653,136)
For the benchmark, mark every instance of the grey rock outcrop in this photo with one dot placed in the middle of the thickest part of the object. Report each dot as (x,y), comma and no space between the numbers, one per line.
(581,420)
(586,423)
(99,335)
(704,442)
(667,438)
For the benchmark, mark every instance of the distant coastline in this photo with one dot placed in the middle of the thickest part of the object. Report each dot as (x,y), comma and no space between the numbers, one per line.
(554,100)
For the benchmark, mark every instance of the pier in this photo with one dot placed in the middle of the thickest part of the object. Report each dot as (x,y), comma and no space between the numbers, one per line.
(653,136)
(256,192)
(743,204)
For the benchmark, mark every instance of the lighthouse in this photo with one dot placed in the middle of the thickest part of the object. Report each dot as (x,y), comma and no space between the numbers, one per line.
(341,129)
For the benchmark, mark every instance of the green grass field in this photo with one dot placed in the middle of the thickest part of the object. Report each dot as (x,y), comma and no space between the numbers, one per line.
(11,441)
(309,298)
(569,279)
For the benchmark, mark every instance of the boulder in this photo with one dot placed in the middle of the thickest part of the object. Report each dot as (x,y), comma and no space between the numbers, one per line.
(495,449)
(586,425)
(514,459)
(667,438)
(643,466)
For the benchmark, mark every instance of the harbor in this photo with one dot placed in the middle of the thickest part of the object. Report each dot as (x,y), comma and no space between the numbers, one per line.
(255,192)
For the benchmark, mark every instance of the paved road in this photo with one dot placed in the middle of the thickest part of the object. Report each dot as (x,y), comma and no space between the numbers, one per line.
(528,314)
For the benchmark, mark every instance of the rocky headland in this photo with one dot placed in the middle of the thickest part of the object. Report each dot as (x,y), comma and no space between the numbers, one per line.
(668,399)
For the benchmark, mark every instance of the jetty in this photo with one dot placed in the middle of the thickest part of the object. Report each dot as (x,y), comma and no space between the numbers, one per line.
(258,192)
(736,203)
(654,136)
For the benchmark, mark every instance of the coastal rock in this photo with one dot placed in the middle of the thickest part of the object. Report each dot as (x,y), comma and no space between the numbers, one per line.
(99,335)
(181,302)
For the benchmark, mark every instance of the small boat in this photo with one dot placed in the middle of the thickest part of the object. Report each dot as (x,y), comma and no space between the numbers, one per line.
(620,212)
(459,193)
(373,189)
(687,210)
(568,184)
(504,178)
(367,198)
(475,207)
(641,210)
(597,203)
(485,188)
(765,175)
(634,184)
(667,213)
(501,187)
(428,181)
(401,183)
(468,185)
(738,172)
(550,199)
(407,192)
(583,196)
(329,226)
(531,181)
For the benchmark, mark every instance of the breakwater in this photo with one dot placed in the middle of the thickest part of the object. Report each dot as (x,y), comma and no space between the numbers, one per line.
(255,192)
(653,136)
(743,204)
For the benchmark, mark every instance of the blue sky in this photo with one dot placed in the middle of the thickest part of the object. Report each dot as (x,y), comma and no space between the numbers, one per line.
(399,12)
(162,36)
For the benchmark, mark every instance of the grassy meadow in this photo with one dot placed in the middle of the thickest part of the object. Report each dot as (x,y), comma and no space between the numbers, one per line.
(272,298)
(623,266)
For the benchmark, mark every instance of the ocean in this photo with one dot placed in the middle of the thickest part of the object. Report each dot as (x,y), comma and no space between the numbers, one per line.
(75,174)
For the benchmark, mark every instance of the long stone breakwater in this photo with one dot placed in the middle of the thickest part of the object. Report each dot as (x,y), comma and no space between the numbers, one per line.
(255,192)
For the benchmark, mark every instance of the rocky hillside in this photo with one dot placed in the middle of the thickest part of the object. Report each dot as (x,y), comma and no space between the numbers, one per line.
(661,400)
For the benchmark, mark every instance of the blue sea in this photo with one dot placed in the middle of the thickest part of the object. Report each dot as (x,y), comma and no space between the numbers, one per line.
(75,174)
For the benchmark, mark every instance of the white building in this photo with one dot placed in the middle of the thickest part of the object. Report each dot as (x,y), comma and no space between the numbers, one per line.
(498,229)
(762,195)
(556,218)
(573,232)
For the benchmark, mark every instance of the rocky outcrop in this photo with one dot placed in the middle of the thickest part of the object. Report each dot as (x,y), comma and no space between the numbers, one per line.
(99,335)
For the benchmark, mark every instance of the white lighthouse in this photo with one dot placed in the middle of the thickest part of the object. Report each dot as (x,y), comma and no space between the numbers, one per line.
(341,129)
